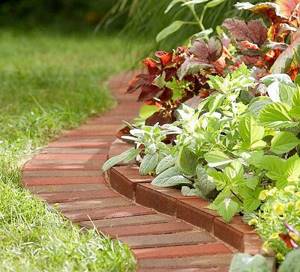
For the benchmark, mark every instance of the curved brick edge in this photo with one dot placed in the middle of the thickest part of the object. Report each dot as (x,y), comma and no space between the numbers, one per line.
(126,180)
(66,174)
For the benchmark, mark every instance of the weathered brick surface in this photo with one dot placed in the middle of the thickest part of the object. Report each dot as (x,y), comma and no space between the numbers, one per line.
(67,175)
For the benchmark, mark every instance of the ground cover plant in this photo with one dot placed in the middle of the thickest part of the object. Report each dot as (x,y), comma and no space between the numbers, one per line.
(50,82)
(221,121)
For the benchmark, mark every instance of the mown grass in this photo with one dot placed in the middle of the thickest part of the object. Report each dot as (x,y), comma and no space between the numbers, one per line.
(49,82)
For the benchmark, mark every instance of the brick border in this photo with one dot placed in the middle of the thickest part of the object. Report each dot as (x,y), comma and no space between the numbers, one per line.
(165,230)
(126,180)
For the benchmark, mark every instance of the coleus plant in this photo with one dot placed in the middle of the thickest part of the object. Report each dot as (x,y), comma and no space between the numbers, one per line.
(172,78)
(238,141)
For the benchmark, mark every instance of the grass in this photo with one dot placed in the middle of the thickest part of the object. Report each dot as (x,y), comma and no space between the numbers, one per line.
(49,82)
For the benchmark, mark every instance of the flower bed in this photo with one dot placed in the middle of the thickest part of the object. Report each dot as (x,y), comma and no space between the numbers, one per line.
(221,122)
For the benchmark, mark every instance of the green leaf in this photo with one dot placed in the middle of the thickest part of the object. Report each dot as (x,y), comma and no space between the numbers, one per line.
(291,262)
(227,209)
(276,116)
(251,132)
(243,262)
(175,26)
(126,156)
(187,161)
(214,3)
(204,183)
(194,2)
(187,191)
(283,142)
(147,110)
(170,177)
(165,163)
(172,4)
(148,164)
(217,158)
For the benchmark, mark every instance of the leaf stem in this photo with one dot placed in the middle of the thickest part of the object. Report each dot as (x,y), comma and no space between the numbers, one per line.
(199,21)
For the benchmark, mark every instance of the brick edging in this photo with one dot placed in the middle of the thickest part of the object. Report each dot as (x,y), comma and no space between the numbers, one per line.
(126,180)
(67,174)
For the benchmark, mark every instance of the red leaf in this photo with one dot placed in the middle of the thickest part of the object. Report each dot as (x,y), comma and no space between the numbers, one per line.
(139,81)
(166,94)
(215,49)
(148,92)
(151,65)
(254,31)
(165,57)
(162,117)
(286,239)
(200,50)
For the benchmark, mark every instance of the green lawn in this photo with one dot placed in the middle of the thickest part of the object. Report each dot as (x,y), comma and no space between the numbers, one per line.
(49,82)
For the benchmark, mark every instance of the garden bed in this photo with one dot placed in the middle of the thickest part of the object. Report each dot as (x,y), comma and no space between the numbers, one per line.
(125,179)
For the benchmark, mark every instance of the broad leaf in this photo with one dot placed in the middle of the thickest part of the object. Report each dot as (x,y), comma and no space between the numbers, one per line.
(165,163)
(204,183)
(283,142)
(251,132)
(217,158)
(277,115)
(284,61)
(175,26)
(170,177)
(254,31)
(126,156)
(149,163)
(187,161)
(227,209)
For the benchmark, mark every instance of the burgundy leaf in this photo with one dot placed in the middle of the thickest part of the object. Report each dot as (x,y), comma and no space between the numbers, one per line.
(254,31)
(215,49)
(148,92)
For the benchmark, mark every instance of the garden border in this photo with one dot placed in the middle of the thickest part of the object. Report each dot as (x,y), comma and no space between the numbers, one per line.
(126,180)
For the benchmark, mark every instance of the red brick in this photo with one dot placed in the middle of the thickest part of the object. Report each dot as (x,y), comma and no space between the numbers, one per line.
(170,239)
(182,251)
(66,188)
(83,205)
(61,173)
(192,211)
(152,198)
(127,221)
(169,227)
(36,181)
(121,184)
(75,157)
(74,150)
(97,214)
(208,261)
(59,165)
(74,196)
(238,234)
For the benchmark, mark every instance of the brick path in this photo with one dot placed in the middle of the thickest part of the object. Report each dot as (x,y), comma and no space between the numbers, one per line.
(67,172)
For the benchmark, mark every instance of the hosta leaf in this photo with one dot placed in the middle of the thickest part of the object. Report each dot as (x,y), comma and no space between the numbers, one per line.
(227,209)
(283,142)
(254,31)
(217,158)
(175,26)
(243,262)
(187,161)
(149,163)
(277,115)
(165,163)
(126,156)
